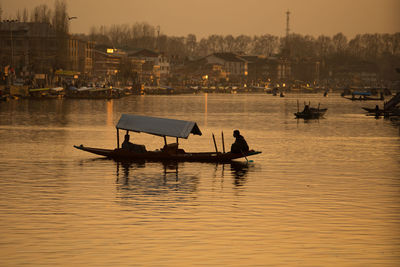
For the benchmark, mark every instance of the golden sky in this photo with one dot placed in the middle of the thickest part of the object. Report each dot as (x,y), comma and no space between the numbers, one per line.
(249,17)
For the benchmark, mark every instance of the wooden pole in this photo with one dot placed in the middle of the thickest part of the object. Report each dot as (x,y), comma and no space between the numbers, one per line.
(223,141)
(215,143)
(117,138)
(165,140)
(298,106)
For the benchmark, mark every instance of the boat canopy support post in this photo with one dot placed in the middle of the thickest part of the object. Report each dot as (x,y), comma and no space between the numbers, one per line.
(215,143)
(117,138)
(165,140)
(223,141)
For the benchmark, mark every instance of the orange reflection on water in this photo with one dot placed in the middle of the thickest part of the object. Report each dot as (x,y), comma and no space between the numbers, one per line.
(205,108)
(110,121)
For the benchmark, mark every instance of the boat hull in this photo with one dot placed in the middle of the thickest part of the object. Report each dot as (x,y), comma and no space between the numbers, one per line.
(311,114)
(124,154)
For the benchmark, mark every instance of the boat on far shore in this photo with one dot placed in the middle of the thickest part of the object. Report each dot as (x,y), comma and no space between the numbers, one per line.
(364,96)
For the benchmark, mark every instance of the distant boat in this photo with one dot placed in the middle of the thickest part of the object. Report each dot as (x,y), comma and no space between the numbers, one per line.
(364,96)
(389,109)
(310,112)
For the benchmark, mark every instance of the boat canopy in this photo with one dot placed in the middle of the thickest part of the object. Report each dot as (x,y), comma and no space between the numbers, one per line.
(361,93)
(158,126)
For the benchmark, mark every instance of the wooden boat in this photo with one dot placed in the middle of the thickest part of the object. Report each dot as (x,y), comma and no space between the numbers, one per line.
(170,152)
(364,96)
(310,113)
(389,108)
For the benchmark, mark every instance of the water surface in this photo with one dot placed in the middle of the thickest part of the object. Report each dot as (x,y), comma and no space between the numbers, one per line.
(322,193)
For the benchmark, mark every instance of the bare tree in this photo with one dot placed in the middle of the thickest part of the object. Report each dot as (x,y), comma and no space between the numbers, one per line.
(191,44)
(242,43)
(60,17)
(25,15)
(61,25)
(340,43)
(41,13)
(264,45)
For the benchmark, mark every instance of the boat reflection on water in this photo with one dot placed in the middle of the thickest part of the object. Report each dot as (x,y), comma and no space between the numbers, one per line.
(239,171)
(153,178)
(163,177)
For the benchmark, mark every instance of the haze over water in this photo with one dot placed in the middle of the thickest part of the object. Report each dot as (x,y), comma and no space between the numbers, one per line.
(322,193)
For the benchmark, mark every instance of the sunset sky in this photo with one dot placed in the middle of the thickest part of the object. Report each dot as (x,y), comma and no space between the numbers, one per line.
(249,17)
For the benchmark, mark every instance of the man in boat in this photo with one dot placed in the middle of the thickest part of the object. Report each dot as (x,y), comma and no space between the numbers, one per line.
(240,144)
(132,147)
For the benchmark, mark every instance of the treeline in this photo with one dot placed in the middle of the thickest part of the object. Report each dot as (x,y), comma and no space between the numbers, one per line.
(381,52)
(336,49)
(143,35)
(57,17)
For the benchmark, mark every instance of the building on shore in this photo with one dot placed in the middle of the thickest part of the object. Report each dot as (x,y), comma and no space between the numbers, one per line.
(235,66)
(106,65)
(28,48)
(80,56)
(155,66)
(34,52)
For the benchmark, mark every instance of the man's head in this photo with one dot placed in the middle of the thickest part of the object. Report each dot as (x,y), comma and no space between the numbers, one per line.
(236,133)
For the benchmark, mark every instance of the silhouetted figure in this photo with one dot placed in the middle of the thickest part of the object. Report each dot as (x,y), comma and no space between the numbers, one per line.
(240,144)
(126,144)
(132,147)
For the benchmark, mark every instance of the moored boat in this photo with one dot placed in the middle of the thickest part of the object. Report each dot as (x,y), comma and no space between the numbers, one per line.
(364,96)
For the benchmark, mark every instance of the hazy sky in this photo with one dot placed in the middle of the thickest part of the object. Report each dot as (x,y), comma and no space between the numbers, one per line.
(250,17)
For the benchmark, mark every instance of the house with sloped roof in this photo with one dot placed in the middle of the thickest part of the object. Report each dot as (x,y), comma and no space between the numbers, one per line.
(158,61)
(233,64)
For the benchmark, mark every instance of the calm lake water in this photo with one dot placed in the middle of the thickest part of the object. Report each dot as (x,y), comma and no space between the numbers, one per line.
(322,193)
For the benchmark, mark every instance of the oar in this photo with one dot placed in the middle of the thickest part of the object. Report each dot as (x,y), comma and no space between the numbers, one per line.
(244,156)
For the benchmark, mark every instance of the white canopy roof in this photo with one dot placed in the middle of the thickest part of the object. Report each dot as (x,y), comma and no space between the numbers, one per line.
(158,126)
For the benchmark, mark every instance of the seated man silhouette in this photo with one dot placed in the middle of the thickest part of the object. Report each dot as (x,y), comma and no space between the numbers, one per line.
(240,144)
(132,147)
